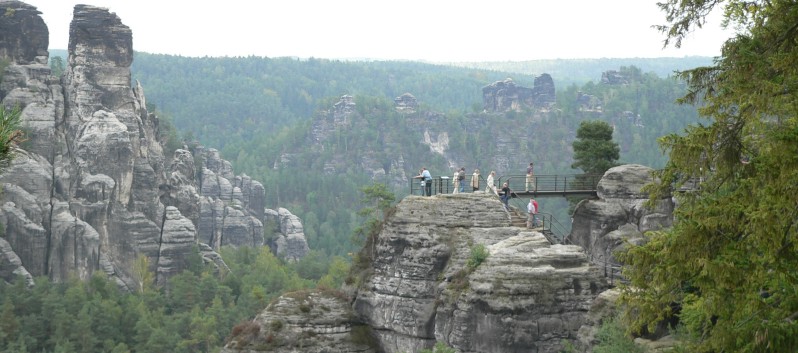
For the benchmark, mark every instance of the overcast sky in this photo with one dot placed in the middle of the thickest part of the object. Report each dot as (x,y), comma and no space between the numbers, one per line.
(428,30)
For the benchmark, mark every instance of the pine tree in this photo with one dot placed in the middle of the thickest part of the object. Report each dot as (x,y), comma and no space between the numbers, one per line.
(726,269)
(10,134)
(594,149)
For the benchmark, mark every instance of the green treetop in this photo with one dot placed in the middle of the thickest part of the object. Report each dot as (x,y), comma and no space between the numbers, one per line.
(594,149)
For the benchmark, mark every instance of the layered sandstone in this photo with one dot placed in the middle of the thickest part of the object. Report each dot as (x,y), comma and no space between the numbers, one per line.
(416,287)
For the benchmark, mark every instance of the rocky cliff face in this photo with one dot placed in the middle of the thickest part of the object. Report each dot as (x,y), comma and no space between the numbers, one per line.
(92,189)
(505,96)
(618,216)
(85,190)
(310,322)
(290,243)
(527,295)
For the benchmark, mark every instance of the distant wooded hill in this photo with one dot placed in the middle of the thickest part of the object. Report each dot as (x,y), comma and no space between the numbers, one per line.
(580,71)
(258,112)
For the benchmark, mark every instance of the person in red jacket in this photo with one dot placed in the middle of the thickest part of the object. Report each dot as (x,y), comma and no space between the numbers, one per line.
(532,208)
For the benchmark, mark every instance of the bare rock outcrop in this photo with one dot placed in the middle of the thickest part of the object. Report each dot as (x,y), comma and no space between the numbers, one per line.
(23,35)
(527,295)
(231,208)
(619,215)
(290,243)
(421,286)
(504,96)
(306,321)
(85,194)
(406,103)
(11,265)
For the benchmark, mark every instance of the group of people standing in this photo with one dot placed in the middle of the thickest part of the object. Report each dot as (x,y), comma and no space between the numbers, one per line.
(505,193)
(459,180)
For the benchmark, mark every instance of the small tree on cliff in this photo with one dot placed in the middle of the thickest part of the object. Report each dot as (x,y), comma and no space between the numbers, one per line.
(10,134)
(594,153)
(594,149)
(377,201)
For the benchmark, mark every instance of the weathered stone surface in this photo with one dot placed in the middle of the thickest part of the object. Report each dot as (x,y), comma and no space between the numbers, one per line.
(92,182)
(625,182)
(74,246)
(27,238)
(290,243)
(213,161)
(504,96)
(527,296)
(241,229)
(177,243)
(31,173)
(619,216)
(25,201)
(406,103)
(603,307)
(231,208)
(307,321)
(24,37)
(11,266)
(181,191)
(613,77)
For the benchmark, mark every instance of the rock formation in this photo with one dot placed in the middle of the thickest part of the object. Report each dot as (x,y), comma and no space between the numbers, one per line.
(406,103)
(92,189)
(504,96)
(618,216)
(311,322)
(528,295)
(613,77)
(420,286)
(290,243)
(227,209)
(92,165)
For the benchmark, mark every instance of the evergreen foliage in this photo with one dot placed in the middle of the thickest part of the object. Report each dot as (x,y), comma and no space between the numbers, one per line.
(195,314)
(10,134)
(57,66)
(613,338)
(594,150)
(726,270)
(478,255)
(242,98)
(440,347)
(270,139)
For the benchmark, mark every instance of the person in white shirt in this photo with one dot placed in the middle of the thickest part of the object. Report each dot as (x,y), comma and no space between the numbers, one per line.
(475,180)
(456,181)
(532,210)
(490,181)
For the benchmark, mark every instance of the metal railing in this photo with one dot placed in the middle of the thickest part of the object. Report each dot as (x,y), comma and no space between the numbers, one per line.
(542,185)
(443,185)
(551,225)
(559,184)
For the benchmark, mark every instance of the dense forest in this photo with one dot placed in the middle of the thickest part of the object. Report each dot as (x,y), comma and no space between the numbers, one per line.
(723,277)
(263,114)
(196,313)
(260,113)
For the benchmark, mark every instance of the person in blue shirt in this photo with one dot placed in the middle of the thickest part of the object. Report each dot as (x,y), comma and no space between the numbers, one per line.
(426,181)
